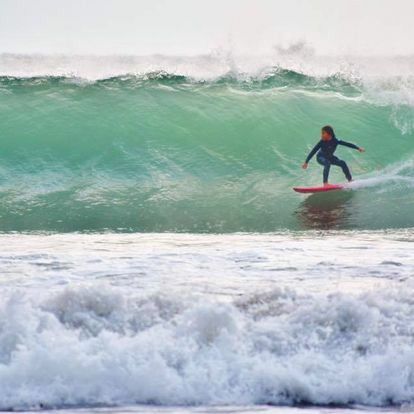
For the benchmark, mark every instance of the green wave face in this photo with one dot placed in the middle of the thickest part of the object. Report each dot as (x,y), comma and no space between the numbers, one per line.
(163,153)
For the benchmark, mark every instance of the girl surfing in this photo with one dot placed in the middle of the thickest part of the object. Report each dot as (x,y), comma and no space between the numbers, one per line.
(326,148)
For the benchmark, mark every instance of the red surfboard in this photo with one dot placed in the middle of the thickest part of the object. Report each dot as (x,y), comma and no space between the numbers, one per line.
(321,189)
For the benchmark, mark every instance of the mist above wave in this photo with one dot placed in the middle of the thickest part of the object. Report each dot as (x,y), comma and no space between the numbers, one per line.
(209,66)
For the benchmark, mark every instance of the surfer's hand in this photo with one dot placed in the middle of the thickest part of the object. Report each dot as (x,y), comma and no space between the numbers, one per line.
(360,149)
(305,165)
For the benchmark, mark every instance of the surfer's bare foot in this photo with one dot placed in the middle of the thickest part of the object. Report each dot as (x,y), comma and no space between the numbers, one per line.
(326,184)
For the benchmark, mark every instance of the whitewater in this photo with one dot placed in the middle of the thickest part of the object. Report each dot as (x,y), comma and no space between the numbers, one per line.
(206,320)
(154,258)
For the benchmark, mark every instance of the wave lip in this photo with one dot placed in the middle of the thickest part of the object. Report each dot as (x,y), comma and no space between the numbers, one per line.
(208,66)
(90,346)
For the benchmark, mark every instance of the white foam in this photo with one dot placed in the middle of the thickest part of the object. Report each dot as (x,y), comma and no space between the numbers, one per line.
(278,348)
(173,320)
(400,174)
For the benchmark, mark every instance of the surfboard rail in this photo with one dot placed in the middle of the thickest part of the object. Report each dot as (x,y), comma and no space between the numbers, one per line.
(319,189)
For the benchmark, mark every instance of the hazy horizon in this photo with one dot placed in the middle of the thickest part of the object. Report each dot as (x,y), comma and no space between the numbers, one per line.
(185,27)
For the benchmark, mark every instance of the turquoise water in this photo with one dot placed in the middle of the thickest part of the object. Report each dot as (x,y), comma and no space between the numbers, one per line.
(161,152)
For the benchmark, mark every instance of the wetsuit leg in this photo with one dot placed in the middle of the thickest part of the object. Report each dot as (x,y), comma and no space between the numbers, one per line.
(342,164)
(326,166)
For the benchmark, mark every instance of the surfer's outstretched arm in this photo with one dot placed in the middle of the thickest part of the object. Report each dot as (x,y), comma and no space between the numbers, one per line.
(349,145)
(313,152)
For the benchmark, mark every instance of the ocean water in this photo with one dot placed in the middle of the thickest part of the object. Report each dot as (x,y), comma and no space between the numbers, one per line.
(212,151)
(155,259)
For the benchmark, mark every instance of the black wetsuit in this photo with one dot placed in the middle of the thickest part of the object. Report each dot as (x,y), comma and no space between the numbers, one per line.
(327,158)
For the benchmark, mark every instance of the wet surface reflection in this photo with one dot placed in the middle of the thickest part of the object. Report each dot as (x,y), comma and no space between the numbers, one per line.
(326,211)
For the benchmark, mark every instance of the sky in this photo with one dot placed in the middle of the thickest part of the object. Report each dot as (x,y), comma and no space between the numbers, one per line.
(191,27)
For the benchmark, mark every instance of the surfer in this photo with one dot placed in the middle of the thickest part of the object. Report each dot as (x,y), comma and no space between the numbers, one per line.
(325,149)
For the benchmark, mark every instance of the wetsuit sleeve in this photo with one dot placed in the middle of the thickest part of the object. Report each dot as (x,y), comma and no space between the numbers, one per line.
(347,144)
(313,152)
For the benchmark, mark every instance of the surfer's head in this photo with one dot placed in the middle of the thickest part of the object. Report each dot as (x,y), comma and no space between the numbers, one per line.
(327,133)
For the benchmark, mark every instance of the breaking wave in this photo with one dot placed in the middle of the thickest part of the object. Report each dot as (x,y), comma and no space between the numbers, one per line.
(197,144)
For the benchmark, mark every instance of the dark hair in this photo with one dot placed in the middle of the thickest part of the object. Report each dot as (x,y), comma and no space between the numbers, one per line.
(329,130)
